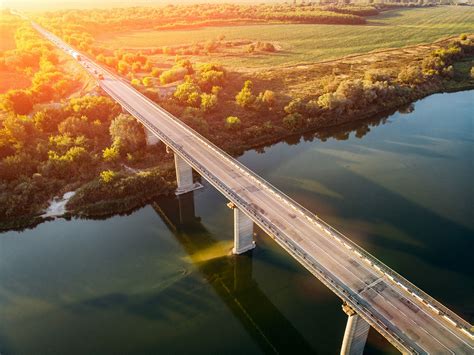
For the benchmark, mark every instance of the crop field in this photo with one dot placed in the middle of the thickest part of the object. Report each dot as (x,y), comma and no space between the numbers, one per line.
(310,43)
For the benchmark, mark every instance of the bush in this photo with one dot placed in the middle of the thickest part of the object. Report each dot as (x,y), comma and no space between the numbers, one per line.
(188,93)
(111,153)
(232,122)
(147,81)
(172,75)
(155,72)
(411,75)
(267,97)
(127,133)
(107,176)
(135,82)
(294,106)
(245,98)
(376,75)
(208,102)
(17,101)
(293,121)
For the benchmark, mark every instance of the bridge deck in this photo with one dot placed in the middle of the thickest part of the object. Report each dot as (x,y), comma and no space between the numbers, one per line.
(406,316)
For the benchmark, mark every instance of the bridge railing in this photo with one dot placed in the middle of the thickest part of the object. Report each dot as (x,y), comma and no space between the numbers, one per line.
(420,295)
(281,237)
(427,300)
(431,303)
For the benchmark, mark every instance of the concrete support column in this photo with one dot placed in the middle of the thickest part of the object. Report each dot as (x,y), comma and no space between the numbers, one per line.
(151,139)
(243,231)
(356,333)
(184,176)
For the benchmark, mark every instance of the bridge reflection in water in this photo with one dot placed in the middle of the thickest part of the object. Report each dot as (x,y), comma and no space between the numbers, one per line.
(231,278)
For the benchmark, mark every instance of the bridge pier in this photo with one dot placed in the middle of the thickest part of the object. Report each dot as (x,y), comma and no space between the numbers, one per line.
(151,139)
(243,231)
(355,334)
(184,176)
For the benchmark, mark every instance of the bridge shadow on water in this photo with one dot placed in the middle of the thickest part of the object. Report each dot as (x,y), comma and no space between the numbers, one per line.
(432,241)
(231,278)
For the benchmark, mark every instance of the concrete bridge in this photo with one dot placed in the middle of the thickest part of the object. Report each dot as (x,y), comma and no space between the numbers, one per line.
(372,294)
(232,280)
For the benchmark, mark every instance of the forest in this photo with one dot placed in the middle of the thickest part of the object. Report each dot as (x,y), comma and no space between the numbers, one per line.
(54,138)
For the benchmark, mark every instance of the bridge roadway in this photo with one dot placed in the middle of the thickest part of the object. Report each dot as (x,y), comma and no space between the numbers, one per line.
(409,318)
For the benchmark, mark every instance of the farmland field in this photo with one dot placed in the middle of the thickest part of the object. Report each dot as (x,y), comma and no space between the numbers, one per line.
(310,43)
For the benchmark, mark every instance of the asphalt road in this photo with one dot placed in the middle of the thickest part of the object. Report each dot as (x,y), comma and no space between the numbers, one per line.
(406,316)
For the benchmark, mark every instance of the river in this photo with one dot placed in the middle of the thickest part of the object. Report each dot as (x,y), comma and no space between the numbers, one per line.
(161,279)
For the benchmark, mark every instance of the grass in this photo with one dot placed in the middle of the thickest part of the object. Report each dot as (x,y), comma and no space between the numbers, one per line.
(311,43)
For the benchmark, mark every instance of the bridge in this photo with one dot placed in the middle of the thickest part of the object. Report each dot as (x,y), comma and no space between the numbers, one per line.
(373,295)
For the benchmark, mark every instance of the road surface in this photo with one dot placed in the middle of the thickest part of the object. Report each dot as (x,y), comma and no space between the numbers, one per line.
(410,319)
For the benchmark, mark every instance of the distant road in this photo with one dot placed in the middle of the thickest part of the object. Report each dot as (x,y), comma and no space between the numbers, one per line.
(409,318)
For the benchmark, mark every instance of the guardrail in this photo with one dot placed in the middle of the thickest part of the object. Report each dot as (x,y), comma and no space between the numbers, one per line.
(285,240)
(431,303)
(281,237)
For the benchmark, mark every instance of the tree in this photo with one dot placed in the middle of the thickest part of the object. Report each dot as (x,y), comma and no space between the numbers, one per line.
(14,166)
(155,72)
(232,122)
(267,98)
(111,153)
(93,107)
(136,67)
(173,75)
(107,176)
(411,75)
(293,121)
(188,93)
(294,106)
(76,126)
(127,134)
(208,102)
(123,67)
(245,98)
(18,101)
(147,81)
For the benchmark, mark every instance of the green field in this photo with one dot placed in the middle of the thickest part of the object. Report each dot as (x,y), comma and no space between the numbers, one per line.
(310,43)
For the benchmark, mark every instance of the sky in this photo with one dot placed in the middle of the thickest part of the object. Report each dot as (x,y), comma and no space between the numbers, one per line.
(64,4)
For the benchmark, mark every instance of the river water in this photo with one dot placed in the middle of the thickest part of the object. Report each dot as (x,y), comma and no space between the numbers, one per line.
(161,279)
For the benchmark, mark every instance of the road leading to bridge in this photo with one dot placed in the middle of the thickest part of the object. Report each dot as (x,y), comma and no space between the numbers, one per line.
(409,318)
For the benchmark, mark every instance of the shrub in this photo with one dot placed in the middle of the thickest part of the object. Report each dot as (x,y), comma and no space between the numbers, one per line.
(208,102)
(147,81)
(293,121)
(411,75)
(294,106)
(107,176)
(155,72)
(232,122)
(245,98)
(111,153)
(188,93)
(330,101)
(127,134)
(172,75)
(267,97)
(376,75)
(18,101)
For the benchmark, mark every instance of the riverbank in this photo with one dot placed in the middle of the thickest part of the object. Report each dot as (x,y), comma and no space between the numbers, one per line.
(377,96)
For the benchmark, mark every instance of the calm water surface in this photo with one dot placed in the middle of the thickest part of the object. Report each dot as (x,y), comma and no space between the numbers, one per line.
(161,279)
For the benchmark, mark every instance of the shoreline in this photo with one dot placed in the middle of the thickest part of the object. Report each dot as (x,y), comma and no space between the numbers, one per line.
(107,208)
